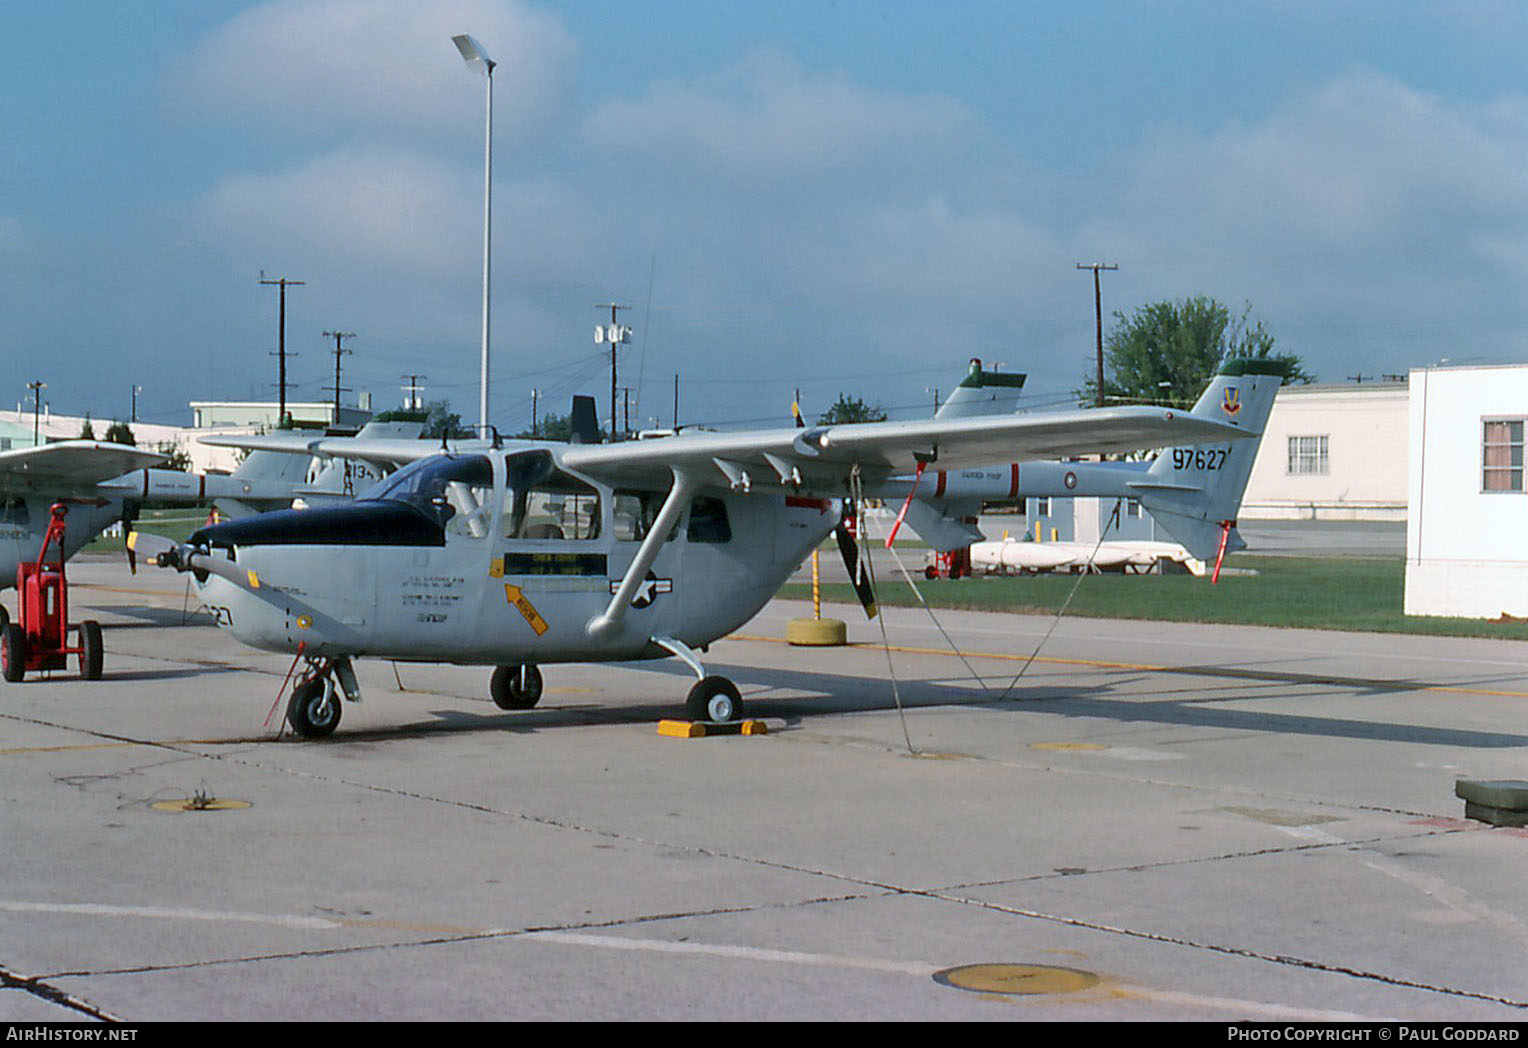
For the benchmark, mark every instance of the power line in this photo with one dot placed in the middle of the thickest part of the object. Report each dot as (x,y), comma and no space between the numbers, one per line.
(339,351)
(281,379)
(1098,314)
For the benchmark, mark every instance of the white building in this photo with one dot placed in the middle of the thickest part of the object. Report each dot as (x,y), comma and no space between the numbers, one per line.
(16,428)
(1467,534)
(263,415)
(1332,453)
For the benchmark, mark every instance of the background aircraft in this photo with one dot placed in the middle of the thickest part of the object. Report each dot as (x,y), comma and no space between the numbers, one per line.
(1194,493)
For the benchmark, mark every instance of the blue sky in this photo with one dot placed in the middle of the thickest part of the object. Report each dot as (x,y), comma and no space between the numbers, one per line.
(848,196)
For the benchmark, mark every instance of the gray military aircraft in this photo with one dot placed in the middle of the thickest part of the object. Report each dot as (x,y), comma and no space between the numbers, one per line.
(521,556)
(1194,493)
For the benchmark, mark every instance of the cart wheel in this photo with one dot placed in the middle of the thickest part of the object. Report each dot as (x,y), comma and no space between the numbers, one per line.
(91,652)
(13,652)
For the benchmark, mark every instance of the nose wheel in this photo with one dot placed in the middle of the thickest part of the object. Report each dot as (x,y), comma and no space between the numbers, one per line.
(314,708)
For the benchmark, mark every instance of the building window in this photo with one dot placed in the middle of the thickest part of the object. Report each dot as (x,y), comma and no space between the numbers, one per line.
(1502,455)
(1307,456)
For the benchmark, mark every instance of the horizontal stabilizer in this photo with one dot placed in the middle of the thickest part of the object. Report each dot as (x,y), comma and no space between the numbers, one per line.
(983,393)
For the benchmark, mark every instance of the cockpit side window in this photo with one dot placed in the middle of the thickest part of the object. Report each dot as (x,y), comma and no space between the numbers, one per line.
(542,502)
(455,492)
(634,512)
(14,511)
(708,521)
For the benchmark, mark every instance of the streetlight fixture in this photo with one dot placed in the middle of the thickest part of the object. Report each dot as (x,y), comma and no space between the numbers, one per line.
(36,388)
(478,61)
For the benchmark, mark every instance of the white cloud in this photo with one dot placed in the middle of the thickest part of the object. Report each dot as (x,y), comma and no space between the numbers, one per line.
(351,68)
(766,119)
(382,208)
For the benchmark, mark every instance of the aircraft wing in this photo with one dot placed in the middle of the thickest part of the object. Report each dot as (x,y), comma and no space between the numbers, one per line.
(823,456)
(72,466)
(383,451)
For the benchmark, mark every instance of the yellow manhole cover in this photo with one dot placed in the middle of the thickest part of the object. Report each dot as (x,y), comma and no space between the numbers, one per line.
(1066,746)
(1016,979)
(199,804)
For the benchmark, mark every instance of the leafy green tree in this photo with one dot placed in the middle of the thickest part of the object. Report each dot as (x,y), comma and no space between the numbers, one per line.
(176,457)
(1168,351)
(436,416)
(441,421)
(851,409)
(87,432)
(551,426)
(120,433)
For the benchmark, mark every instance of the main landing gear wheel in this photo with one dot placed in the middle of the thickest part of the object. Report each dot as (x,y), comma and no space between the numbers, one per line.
(515,687)
(714,699)
(91,652)
(13,652)
(315,708)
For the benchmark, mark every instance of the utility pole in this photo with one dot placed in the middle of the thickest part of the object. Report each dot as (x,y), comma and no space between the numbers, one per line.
(36,388)
(339,351)
(415,401)
(1098,316)
(616,334)
(283,283)
(134,415)
(535,396)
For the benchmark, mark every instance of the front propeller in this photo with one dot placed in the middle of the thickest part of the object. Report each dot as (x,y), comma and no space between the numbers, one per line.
(858,567)
(165,553)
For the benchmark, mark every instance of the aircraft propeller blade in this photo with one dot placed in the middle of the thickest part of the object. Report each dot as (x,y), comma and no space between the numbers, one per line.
(167,554)
(128,517)
(150,545)
(859,574)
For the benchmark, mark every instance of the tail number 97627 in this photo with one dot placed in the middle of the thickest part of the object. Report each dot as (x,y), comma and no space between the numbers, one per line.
(1199,458)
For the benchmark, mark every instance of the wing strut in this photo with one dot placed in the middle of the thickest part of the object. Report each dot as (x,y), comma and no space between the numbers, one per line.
(604,625)
(1220,555)
(892,537)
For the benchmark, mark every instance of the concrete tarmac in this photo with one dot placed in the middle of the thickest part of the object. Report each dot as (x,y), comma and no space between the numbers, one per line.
(1147,821)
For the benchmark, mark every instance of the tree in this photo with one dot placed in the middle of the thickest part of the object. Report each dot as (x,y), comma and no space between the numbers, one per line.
(441,421)
(437,418)
(851,409)
(87,432)
(1168,351)
(176,457)
(551,426)
(120,433)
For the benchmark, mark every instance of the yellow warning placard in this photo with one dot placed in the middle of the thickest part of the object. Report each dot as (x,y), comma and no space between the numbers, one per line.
(513,594)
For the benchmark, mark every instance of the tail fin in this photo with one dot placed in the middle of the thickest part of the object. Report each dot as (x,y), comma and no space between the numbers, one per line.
(1195,492)
(983,393)
(585,421)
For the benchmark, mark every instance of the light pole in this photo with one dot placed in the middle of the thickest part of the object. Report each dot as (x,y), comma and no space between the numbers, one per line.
(478,61)
(36,388)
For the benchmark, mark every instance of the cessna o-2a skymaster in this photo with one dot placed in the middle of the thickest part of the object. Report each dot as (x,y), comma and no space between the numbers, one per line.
(532,554)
